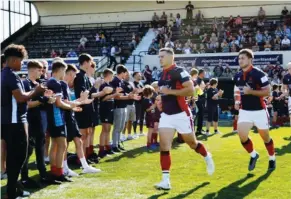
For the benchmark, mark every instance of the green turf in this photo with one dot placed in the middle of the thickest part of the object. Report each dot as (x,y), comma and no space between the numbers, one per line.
(133,173)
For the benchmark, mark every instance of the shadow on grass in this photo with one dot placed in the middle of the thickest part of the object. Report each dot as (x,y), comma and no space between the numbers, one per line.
(19,185)
(284,149)
(228,135)
(188,193)
(158,195)
(235,191)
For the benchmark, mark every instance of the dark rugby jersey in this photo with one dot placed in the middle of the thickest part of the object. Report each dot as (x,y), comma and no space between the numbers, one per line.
(275,102)
(116,82)
(173,78)
(54,113)
(128,88)
(255,79)
(68,114)
(287,81)
(146,104)
(138,85)
(33,114)
(210,93)
(11,111)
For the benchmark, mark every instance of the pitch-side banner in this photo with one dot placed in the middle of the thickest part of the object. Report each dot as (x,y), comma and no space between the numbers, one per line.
(231,60)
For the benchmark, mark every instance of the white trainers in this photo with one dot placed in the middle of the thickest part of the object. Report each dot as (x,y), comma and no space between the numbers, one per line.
(129,137)
(207,133)
(135,136)
(90,170)
(70,173)
(47,159)
(122,138)
(210,164)
(141,134)
(235,131)
(164,185)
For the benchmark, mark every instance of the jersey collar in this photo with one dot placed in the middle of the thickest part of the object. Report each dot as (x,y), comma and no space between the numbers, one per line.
(170,68)
(247,72)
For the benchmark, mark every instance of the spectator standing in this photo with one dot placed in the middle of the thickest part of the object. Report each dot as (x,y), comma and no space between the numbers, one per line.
(284,14)
(97,38)
(238,22)
(83,42)
(104,51)
(230,21)
(61,53)
(102,38)
(113,57)
(171,20)
(46,53)
(132,44)
(189,8)
(214,25)
(147,74)
(199,18)
(178,21)
(261,14)
(154,48)
(155,74)
(285,43)
(53,54)
(163,19)
(155,20)
(72,53)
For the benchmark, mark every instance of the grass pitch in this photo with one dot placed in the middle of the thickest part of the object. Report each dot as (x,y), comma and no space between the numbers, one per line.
(131,175)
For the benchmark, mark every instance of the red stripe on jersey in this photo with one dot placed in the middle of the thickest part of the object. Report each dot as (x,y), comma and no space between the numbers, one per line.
(262,102)
(246,72)
(182,100)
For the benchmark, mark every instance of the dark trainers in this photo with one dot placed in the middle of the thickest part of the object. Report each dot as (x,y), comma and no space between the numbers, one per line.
(253,162)
(63,178)
(116,150)
(272,165)
(110,152)
(48,181)
(30,184)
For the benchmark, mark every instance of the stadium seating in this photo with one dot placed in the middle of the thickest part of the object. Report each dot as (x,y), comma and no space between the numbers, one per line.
(68,36)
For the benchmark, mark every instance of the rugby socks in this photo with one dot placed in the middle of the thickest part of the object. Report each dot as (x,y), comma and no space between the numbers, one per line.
(148,144)
(107,147)
(84,162)
(234,125)
(248,145)
(53,170)
(201,149)
(65,165)
(91,149)
(165,161)
(270,148)
(101,148)
(59,172)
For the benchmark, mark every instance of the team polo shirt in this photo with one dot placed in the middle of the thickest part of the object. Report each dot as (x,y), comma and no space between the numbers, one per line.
(116,82)
(12,112)
(287,81)
(210,93)
(255,79)
(54,113)
(173,78)
(128,88)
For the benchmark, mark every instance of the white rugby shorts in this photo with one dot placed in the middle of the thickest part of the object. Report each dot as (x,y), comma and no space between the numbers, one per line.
(259,118)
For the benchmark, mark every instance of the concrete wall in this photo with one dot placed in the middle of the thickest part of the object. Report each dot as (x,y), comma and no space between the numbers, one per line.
(54,13)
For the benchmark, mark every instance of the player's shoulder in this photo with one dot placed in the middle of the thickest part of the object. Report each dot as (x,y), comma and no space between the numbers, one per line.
(238,75)
(258,71)
(64,84)
(287,76)
(53,82)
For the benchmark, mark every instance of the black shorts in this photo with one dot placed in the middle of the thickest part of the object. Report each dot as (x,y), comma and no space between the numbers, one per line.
(276,108)
(57,131)
(84,119)
(106,112)
(72,130)
(212,114)
(235,112)
(35,129)
(95,118)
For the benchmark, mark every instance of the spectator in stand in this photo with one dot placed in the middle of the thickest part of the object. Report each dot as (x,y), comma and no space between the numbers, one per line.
(220,31)
(102,37)
(234,41)
(72,53)
(196,30)
(277,43)
(154,48)
(238,22)
(233,48)
(155,74)
(187,50)
(205,39)
(169,44)
(53,54)
(113,57)
(241,37)
(260,24)
(218,70)
(199,18)
(222,21)
(259,38)
(132,44)
(214,25)
(61,53)
(224,46)
(279,32)
(189,8)
(155,20)
(213,42)
(163,19)
(179,48)
(178,21)
(227,72)
(267,37)
(97,38)
(202,48)
(261,14)
(168,32)
(171,20)
(230,21)
(256,47)
(83,42)
(227,32)
(286,32)
(46,53)
(104,51)
(285,43)
(284,14)
(161,39)
(147,74)
(195,49)
(267,46)
(252,23)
